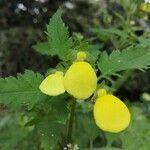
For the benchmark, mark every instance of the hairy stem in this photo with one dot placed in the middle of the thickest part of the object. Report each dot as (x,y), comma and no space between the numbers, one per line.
(71,121)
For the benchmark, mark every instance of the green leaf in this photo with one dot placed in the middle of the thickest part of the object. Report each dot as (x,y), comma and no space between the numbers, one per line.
(58,105)
(86,124)
(138,132)
(60,108)
(50,131)
(50,121)
(106,34)
(23,90)
(43,48)
(58,37)
(59,43)
(137,57)
(145,42)
(92,54)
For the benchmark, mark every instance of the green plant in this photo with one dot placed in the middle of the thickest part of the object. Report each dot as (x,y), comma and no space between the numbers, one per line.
(57,122)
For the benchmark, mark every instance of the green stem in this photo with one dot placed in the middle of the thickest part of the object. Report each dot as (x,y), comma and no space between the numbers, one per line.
(71,121)
(91,144)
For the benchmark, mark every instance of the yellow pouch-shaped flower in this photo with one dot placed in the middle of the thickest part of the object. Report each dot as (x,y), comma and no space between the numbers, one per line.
(111,114)
(80,79)
(53,84)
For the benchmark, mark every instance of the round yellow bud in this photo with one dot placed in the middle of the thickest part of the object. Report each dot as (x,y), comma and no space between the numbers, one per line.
(101,92)
(53,84)
(111,114)
(80,80)
(81,56)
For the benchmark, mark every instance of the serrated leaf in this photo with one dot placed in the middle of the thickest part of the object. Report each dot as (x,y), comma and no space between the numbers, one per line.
(58,105)
(137,57)
(92,54)
(59,43)
(52,121)
(58,37)
(23,90)
(86,124)
(50,131)
(60,108)
(43,48)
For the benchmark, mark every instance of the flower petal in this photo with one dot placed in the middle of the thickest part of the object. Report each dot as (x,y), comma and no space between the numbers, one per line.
(80,80)
(111,114)
(53,84)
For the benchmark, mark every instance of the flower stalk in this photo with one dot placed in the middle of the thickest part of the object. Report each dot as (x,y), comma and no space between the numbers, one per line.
(71,121)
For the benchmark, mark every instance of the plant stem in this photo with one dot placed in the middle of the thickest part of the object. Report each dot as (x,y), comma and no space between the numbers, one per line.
(71,120)
(91,144)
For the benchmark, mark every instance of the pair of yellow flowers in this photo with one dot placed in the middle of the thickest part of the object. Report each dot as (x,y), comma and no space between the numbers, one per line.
(80,81)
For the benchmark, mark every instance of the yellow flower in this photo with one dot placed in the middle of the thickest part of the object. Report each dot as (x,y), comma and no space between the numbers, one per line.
(145,7)
(79,81)
(53,84)
(110,113)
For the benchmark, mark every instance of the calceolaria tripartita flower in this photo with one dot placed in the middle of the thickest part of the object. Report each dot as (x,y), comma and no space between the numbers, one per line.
(79,81)
(53,84)
(110,113)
